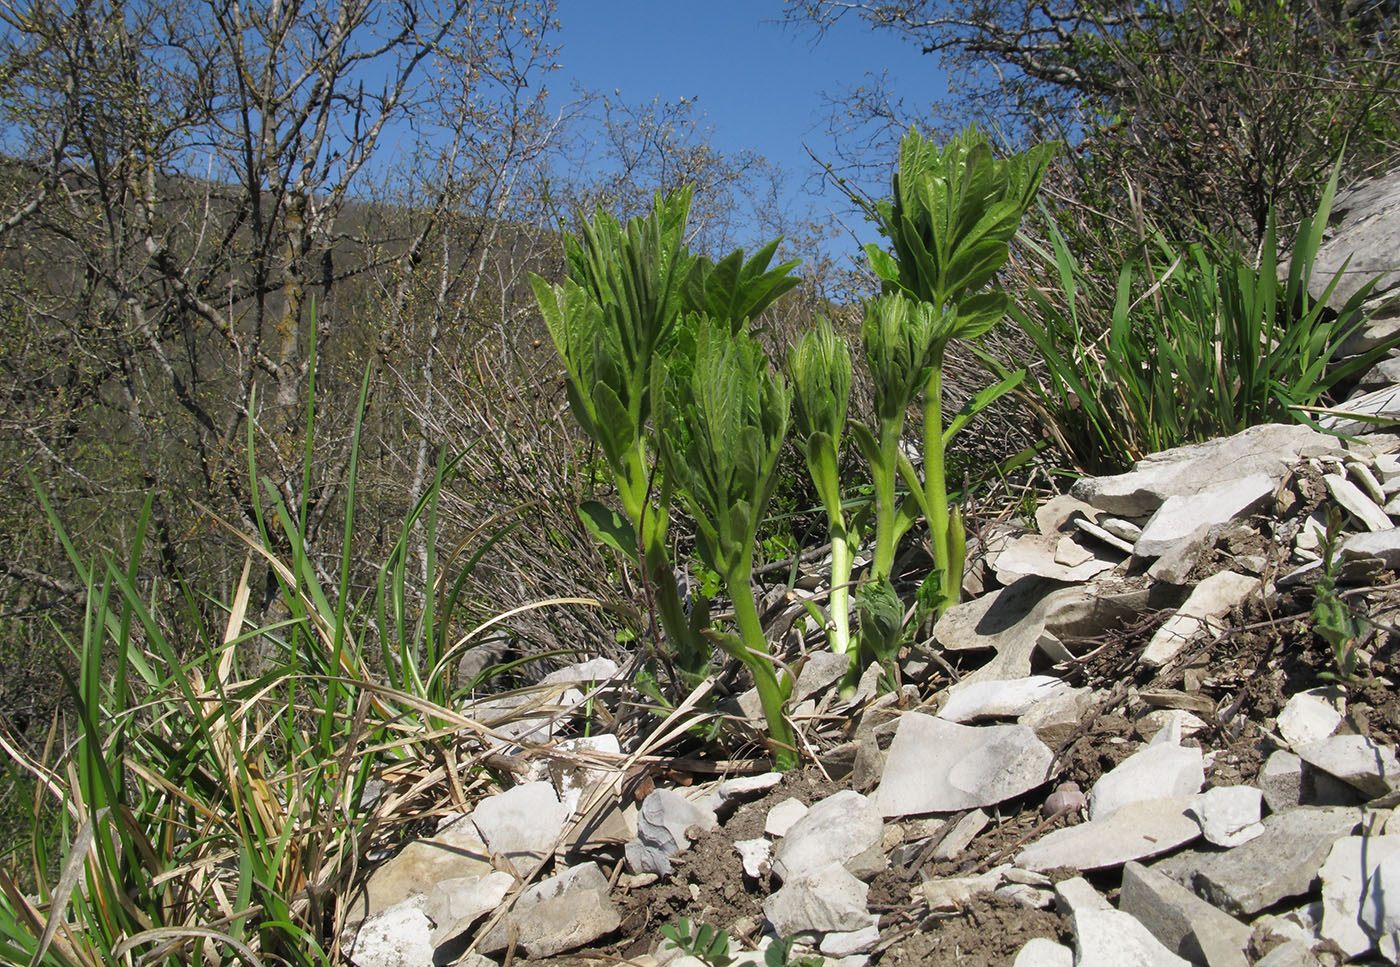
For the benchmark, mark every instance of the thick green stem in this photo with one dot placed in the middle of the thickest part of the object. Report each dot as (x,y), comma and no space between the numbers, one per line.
(883,478)
(652,520)
(782,744)
(936,489)
(840,602)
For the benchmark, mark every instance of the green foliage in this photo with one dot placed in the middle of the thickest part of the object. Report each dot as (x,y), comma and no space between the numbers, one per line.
(721,418)
(613,318)
(1333,620)
(949,223)
(710,945)
(1203,346)
(819,366)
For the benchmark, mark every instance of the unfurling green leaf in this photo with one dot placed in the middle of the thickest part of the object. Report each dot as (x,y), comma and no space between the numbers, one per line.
(735,291)
(609,527)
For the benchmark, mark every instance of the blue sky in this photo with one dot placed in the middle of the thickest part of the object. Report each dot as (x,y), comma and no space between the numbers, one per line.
(759,83)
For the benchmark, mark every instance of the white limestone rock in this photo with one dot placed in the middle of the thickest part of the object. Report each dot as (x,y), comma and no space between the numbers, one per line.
(1134,831)
(842,828)
(1180,517)
(1311,716)
(523,823)
(781,817)
(455,850)
(1361,895)
(935,766)
(1213,598)
(1161,770)
(1040,952)
(456,903)
(1229,815)
(1112,938)
(1181,921)
(1360,762)
(1272,449)
(558,914)
(398,936)
(823,900)
(754,854)
(1360,506)
(999,699)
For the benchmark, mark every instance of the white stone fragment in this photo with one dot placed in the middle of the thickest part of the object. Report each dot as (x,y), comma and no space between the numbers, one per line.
(1213,598)
(399,936)
(754,854)
(844,943)
(1160,771)
(1361,895)
(1311,716)
(842,828)
(1229,815)
(1356,760)
(936,766)
(1366,480)
(1112,938)
(1041,952)
(781,817)
(1360,506)
(522,823)
(826,899)
(456,903)
(1003,699)
(1132,832)
(1181,516)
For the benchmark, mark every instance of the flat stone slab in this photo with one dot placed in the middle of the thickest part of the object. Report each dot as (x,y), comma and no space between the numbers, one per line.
(999,699)
(1360,762)
(935,766)
(1180,517)
(557,914)
(1041,555)
(1363,508)
(1132,832)
(1283,862)
(1361,895)
(1384,545)
(1214,597)
(456,850)
(825,900)
(1112,938)
(1271,449)
(523,823)
(1160,771)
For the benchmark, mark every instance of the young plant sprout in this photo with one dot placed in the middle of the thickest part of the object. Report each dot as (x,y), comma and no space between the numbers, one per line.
(721,417)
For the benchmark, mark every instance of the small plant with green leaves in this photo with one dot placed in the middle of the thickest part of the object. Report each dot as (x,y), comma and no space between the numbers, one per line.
(710,945)
(819,366)
(949,224)
(614,322)
(1333,620)
(721,418)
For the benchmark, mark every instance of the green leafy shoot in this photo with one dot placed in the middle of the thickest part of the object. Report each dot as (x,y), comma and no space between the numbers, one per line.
(949,223)
(819,366)
(736,291)
(613,319)
(721,418)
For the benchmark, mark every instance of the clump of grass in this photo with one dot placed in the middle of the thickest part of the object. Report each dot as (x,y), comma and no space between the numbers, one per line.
(214,794)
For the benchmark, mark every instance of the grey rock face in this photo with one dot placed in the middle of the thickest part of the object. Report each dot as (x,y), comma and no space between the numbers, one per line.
(935,766)
(1229,815)
(1213,598)
(1283,862)
(1179,517)
(1271,449)
(456,850)
(1366,242)
(1181,921)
